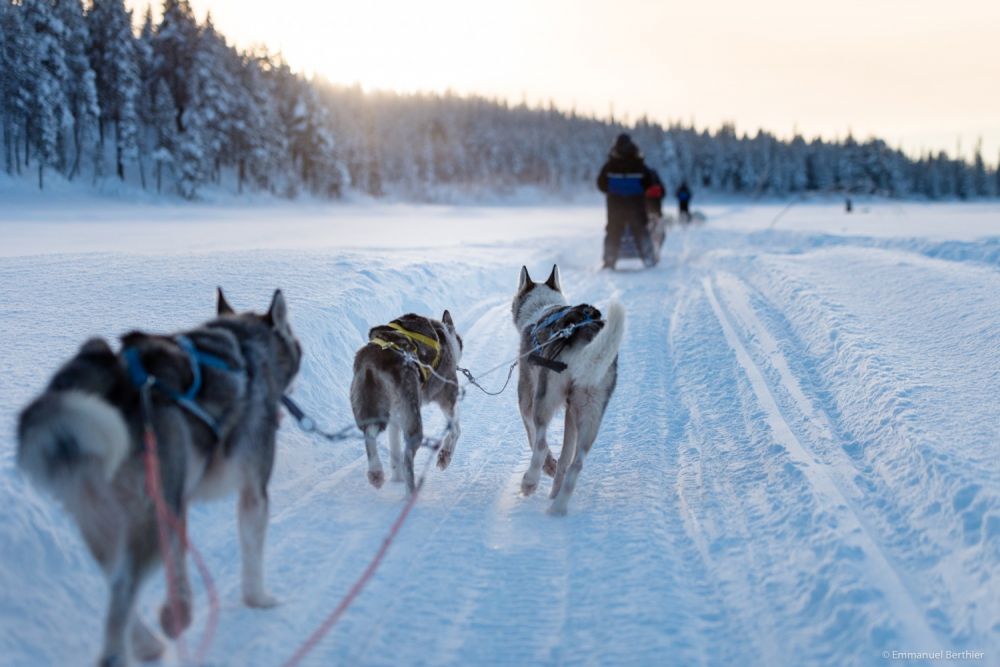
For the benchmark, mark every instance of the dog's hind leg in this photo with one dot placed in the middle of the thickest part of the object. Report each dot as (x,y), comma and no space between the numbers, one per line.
(145,645)
(395,451)
(124,584)
(566,454)
(587,413)
(545,406)
(253,514)
(136,559)
(413,435)
(450,410)
(376,476)
(103,524)
(527,404)
(175,614)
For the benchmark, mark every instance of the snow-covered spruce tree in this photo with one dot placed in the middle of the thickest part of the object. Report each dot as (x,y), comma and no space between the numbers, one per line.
(80,85)
(15,96)
(146,102)
(994,185)
(174,47)
(261,143)
(163,131)
(115,61)
(48,113)
(980,180)
(208,112)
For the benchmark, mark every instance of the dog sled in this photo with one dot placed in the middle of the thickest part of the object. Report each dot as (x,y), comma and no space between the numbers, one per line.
(656,224)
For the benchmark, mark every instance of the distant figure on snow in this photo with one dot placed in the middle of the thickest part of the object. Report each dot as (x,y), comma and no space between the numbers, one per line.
(683,195)
(624,178)
(654,195)
(848,205)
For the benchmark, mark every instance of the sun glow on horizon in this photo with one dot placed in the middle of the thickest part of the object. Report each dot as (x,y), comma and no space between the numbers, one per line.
(902,70)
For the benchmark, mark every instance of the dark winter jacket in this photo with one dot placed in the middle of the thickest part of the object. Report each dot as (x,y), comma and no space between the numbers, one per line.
(683,193)
(624,178)
(625,174)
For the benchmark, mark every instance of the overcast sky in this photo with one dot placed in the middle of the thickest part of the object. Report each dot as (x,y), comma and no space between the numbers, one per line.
(920,73)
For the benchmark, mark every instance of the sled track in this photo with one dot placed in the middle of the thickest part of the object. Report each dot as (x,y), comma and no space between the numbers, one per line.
(915,631)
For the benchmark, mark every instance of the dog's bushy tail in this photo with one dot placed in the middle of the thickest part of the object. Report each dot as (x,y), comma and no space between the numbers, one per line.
(593,360)
(64,435)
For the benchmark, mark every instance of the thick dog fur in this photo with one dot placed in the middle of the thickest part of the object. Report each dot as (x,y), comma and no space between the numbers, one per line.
(583,388)
(387,392)
(81,440)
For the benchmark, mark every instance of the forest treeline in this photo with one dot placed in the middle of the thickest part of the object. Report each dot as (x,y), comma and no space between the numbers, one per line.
(172,107)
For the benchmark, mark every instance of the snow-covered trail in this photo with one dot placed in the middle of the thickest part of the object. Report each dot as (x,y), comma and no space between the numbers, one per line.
(799,466)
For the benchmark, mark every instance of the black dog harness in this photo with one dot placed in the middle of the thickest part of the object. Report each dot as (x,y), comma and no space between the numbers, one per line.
(559,327)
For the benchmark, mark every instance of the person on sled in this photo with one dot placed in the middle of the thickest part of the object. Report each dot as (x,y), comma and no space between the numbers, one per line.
(683,195)
(654,195)
(624,178)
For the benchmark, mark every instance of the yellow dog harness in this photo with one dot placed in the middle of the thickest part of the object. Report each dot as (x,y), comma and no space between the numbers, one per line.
(415,338)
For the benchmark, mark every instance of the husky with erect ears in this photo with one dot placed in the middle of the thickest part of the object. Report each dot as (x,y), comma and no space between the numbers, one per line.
(569,359)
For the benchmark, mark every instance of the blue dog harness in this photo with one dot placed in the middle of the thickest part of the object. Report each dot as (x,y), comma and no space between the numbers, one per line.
(187,400)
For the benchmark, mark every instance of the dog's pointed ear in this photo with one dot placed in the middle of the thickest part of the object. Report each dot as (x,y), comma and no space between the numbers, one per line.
(446,319)
(277,314)
(524,280)
(96,346)
(222,306)
(553,280)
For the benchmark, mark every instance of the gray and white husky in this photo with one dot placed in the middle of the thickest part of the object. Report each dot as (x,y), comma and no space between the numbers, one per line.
(578,373)
(388,390)
(82,440)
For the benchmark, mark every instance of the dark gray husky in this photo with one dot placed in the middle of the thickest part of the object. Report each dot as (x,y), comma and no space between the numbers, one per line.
(569,359)
(214,398)
(410,362)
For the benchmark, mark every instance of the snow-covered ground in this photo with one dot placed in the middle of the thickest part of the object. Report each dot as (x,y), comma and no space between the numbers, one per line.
(801,464)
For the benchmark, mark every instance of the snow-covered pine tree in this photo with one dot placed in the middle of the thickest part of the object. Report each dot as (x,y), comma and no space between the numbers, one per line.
(265,156)
(80,85)
(174,46)
(115,61)
(14,94)
(173,51)
(163,131)
(980,181)
(996,177)
(212,93)
(145,103)
(48,113)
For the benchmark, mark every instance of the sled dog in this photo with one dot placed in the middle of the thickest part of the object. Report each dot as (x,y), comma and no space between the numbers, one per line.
(576,367)
(213,404)
(408,363)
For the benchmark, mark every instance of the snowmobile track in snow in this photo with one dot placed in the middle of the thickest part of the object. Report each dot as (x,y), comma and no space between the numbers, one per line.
(916,631)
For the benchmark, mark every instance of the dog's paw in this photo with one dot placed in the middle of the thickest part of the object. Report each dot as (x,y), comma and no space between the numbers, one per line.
(555,490)
(528,487)
(175,617)
(549,467)
(260,600)
(556,509)
(145,645)
(377,478)
(444,458)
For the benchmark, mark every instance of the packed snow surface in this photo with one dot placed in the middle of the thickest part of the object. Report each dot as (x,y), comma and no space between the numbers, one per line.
(801,464)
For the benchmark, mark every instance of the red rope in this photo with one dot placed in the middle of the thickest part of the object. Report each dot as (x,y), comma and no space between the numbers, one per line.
(355,590)
(164,519)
